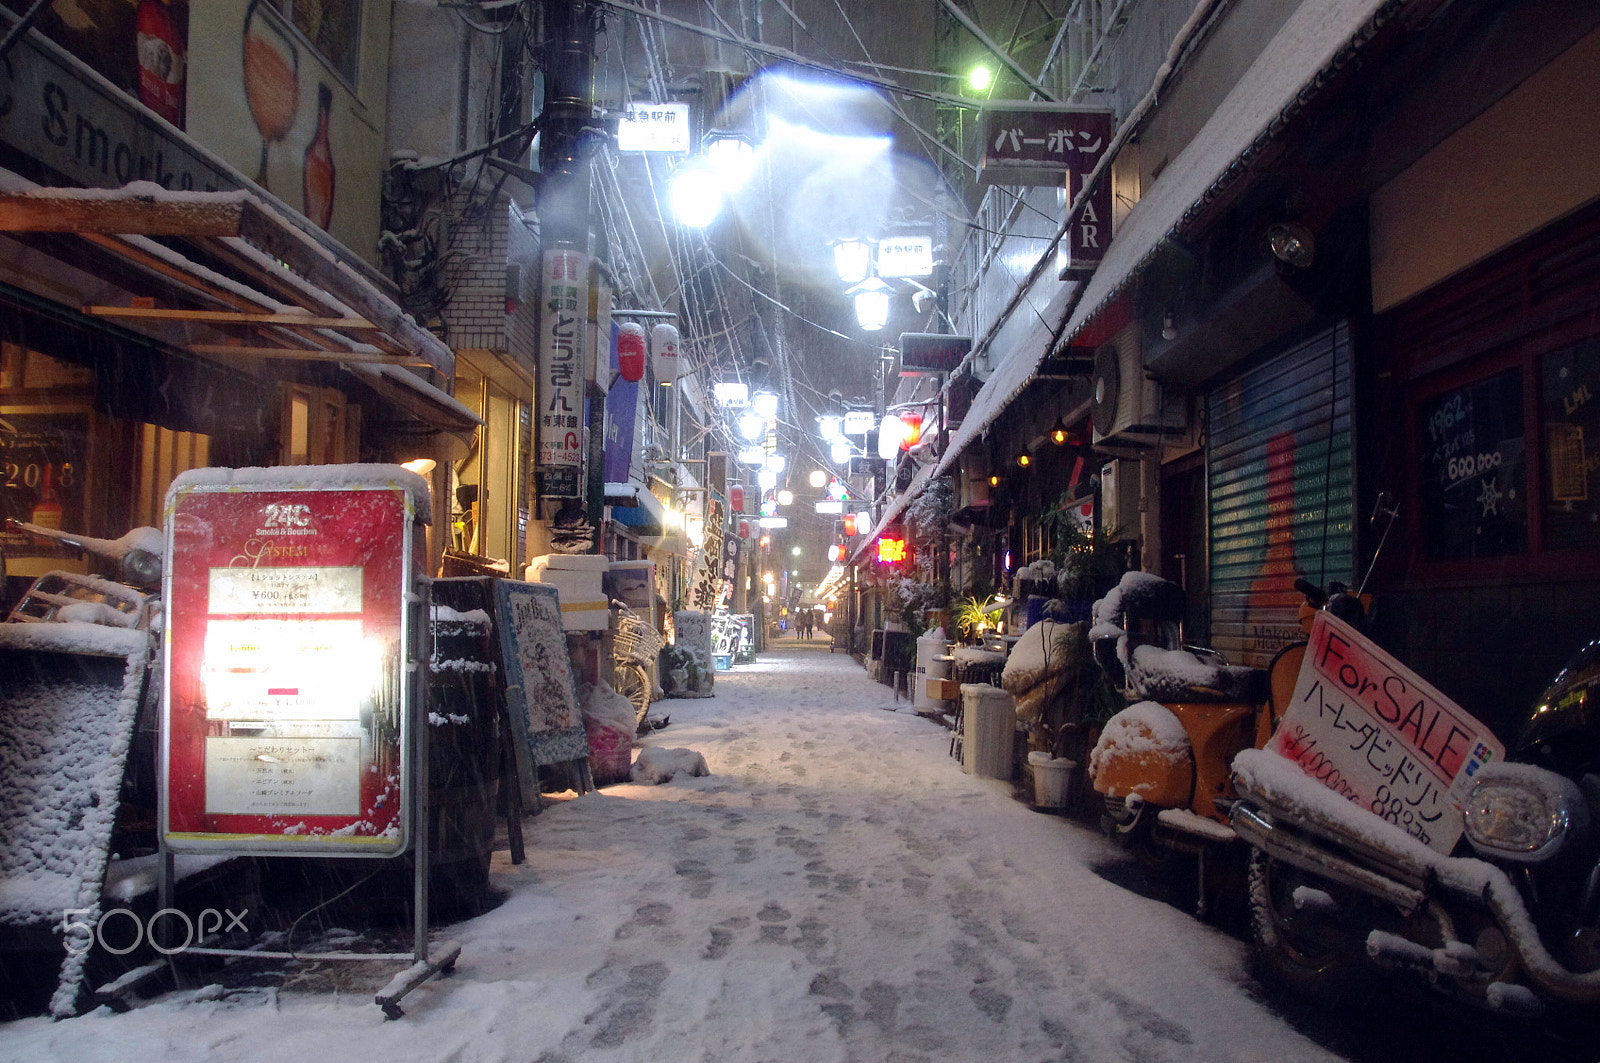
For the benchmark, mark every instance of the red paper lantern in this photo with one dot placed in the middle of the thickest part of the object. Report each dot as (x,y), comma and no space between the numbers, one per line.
(736,497)
(849,524)
(631,348)
(913,430)
(744,529)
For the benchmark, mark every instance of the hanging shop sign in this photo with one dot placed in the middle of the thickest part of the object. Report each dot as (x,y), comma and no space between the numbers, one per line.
(930,352)
(558,464)
(905,256)
(291,608)
(1377,734)
(1025,145)
(654,127)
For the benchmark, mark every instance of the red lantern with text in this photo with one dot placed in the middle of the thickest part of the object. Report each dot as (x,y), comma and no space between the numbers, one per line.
(913,430)
(744,529)
(891,551)
(631,347)
(736,497)
(850,524)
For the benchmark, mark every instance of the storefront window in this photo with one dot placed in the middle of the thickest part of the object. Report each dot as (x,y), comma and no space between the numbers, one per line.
(1570,382)
(1474,495)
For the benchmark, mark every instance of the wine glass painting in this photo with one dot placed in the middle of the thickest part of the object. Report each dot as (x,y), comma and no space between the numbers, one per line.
(271,80)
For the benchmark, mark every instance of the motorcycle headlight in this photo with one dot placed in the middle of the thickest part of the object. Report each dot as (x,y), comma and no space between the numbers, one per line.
(1524,813)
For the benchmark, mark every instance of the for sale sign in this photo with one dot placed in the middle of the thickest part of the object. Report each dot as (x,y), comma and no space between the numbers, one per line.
(1376,733)
(290,600)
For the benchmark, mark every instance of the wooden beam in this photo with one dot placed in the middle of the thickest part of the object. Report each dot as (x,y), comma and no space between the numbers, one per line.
(299,354)
(232,317)
(42,213)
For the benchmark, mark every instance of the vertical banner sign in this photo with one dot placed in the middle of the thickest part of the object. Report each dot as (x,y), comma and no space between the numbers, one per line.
(563,305)
(1374,732)
(285,702)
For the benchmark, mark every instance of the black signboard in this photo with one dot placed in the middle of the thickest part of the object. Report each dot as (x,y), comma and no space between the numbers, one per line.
(1474,495)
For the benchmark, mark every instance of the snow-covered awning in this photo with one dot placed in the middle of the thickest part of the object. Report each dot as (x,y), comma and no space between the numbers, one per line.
(221,275)
(1286,72)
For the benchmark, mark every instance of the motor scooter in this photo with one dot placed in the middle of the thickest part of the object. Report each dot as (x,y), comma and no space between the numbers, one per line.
(1508,920)
(1162,763)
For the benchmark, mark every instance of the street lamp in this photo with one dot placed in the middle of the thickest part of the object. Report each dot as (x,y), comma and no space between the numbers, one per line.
(872,303)
(852,259)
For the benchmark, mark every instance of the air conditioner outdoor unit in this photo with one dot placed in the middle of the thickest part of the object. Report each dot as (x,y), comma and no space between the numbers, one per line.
(1126,405)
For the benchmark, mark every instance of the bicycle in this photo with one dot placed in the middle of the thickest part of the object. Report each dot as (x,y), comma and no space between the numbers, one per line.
(635,646)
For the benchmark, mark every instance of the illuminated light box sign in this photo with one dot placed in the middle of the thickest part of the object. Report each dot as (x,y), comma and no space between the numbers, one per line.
(654,127)
(291,600)
(905,256)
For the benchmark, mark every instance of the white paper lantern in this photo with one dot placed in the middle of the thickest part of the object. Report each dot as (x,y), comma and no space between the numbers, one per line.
(664,351)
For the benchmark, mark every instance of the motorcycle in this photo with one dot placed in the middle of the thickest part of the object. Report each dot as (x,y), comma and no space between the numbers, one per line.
(1508,919)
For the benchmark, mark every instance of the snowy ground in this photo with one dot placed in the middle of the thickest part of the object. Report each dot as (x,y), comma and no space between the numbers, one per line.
(836,890)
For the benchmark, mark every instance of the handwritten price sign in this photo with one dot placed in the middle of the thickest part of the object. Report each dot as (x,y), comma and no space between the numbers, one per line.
(1374,732)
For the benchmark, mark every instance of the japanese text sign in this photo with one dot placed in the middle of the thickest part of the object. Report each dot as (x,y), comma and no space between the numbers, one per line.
(1374,732)
(654,127)
(286,705)
(1023,146)
(559,413)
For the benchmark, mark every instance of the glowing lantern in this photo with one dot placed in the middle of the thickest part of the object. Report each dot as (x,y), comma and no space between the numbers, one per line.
(911,430)
(736,497)
(849,524)
(630,351)
(744,529)
(835,552)
(664,345)
(891,550)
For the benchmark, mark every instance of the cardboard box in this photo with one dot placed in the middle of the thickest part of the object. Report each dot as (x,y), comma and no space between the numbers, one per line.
(944,690)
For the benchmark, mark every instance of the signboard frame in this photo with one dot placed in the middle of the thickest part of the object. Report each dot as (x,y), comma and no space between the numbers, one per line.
(223,537)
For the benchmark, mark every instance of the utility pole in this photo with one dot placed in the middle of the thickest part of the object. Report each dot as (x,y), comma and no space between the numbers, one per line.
(568,137)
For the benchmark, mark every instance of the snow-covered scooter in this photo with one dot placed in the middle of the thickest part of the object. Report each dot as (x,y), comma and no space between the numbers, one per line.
(1163,763)
(1508,919)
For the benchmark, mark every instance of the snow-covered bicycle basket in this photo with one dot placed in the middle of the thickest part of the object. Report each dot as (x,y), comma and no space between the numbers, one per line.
(635,640)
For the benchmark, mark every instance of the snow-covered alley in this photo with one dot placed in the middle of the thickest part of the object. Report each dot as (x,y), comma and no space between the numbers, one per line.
(835,889)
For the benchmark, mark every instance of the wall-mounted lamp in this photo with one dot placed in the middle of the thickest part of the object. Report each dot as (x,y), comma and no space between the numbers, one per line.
(852,260)
(1291,243)
(994,480)
(872,303)
(1024,460)
(1059,434)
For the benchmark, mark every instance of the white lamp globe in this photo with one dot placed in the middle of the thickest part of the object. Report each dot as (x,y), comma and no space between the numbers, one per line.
(765,404)
(751,426)
(777,462)
(829,427)
(785,497)
(766,479)
(696,195)
(891,430)
(840,451)
(817,478)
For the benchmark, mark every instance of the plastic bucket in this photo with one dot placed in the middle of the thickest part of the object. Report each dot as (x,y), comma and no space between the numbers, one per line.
(1052,779)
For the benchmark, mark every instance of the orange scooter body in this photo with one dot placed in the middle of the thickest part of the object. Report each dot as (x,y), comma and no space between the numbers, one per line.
(1216,731)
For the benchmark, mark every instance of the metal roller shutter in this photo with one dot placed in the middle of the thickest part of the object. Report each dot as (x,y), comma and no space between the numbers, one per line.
(1278,466)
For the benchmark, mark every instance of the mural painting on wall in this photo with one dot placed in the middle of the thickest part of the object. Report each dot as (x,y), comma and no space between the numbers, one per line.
(140,46)
(270,68)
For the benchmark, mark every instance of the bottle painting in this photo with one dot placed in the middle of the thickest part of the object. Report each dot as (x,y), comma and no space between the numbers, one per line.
(317,175)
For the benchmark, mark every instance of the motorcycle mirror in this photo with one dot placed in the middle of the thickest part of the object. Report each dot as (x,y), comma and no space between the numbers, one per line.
(141,568)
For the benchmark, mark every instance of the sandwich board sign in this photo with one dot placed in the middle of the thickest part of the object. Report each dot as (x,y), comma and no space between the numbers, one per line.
(293,604)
